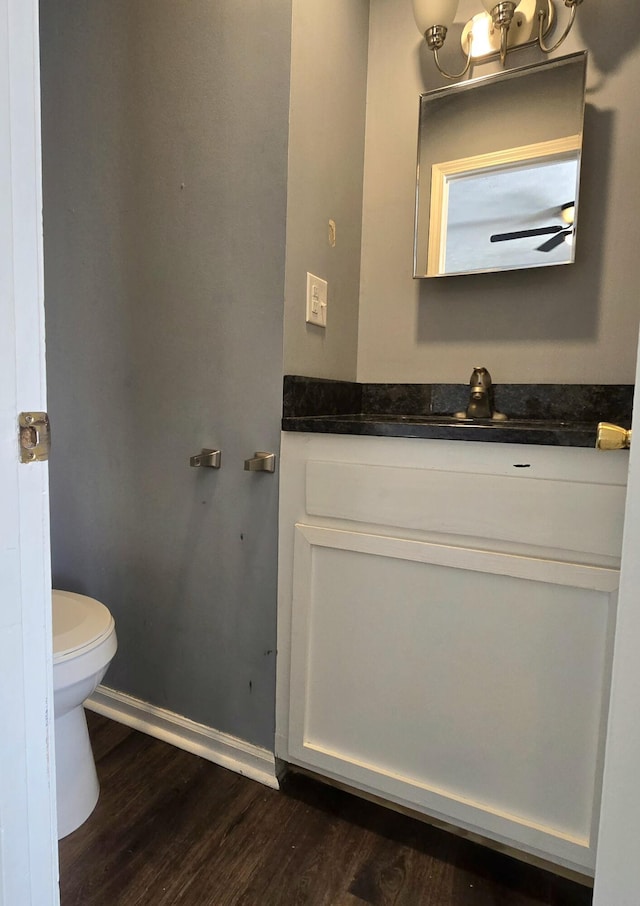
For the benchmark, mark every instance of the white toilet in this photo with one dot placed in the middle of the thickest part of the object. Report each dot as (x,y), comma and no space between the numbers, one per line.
(84,643)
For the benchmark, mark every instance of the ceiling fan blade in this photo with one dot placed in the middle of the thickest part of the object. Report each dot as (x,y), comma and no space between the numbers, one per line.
(522,234)
(552,243)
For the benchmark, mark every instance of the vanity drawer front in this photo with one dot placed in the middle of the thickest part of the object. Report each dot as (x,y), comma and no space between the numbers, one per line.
(536,512)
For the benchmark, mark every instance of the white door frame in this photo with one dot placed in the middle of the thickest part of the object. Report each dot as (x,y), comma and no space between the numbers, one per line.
(617,872)
(28,844)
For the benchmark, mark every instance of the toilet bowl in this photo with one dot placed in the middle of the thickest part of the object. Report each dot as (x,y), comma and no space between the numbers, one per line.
(84,643)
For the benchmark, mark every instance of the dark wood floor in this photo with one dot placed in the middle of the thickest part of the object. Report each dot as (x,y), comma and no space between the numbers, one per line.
(171,828)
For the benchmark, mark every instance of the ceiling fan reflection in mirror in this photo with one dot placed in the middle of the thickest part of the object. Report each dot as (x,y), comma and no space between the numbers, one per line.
(560,233)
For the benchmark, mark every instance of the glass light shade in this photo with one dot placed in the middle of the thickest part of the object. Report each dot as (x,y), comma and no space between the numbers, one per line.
(428,13)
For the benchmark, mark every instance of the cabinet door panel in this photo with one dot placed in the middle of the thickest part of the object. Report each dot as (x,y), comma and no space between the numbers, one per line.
(468,683)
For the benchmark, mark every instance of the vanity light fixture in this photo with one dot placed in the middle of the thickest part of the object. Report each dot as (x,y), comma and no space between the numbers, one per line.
(504,25)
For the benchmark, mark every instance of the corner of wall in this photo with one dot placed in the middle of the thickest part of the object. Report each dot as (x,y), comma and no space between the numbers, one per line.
(326,163)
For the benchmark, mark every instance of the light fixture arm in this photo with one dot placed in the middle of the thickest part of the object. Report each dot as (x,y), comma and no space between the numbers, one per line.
(504,32)
(456,75)
(573,4)
(502,15)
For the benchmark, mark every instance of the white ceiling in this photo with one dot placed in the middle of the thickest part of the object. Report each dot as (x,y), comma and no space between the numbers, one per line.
(501,200)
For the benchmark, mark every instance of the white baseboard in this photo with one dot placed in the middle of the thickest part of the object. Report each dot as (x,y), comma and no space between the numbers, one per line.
(221,748)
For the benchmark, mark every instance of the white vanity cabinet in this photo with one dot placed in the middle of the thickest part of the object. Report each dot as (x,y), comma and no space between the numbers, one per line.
(446,617)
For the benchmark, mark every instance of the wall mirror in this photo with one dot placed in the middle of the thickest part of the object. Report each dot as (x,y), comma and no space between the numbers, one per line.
(499,170)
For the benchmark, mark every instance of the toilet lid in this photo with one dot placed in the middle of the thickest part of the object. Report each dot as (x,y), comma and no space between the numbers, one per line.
(79,622)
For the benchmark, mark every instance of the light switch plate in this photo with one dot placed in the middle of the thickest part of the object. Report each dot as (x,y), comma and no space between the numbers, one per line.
(316,300)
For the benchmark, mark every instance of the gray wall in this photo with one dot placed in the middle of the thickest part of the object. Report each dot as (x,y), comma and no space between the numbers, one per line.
(326,155)
(576,323)
(165,155)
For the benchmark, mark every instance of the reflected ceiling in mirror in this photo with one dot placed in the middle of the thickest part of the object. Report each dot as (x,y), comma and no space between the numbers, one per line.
(498,171)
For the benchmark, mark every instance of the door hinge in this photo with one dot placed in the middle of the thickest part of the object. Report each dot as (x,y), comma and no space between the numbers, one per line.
(35,436)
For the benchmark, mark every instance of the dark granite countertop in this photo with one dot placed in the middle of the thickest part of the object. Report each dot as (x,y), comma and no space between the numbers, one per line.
(548,414)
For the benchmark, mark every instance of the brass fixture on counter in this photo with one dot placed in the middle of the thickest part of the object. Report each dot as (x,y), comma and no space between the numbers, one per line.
(612,437)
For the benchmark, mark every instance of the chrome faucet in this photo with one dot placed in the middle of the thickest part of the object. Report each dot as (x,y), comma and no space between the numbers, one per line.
(480,398)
